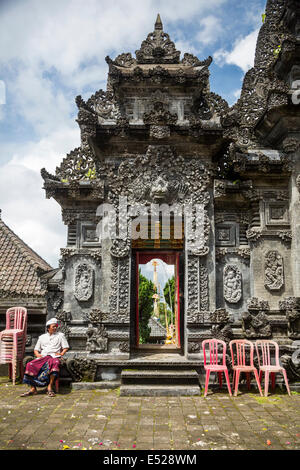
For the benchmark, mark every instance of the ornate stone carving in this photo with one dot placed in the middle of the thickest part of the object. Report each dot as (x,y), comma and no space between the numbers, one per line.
(123,60)
(255,322)
(120,287)
(64,318)
(198,296)
(120,248)
(97,339)
(190,59)
(243,253)
(291,307)
(221,328)
(81,369)
(95,316)
(194,347)
(291,363)
(159,115)
(232,284)
(77,166)
(124,347)
(298,182)
(196,316)
(274,276)
(84,282)
(158,48)
(291,145)
(55,300)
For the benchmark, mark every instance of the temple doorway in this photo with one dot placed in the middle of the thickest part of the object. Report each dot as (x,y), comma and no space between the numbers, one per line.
(157,300)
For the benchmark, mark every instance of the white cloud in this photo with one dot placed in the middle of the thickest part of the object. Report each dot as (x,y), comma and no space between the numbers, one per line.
(25,210)
(242,55)
(211,29)
(49,151)
(66,34)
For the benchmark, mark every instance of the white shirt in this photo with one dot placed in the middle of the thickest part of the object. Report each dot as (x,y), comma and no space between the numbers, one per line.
(50,344)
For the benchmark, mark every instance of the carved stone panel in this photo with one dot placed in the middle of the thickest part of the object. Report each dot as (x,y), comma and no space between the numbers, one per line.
(276,213)
(120,287)
(255,322)
(291,307)
(274,275)
(198,298)
(84,282)
(232,284)
(227,234)
(97,340)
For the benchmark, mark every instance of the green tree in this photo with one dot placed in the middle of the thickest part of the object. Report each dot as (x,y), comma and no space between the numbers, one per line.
(162,314)
(146,291)
(169,293)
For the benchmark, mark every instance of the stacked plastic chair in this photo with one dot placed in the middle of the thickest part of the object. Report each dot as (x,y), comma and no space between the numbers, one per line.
(13,341)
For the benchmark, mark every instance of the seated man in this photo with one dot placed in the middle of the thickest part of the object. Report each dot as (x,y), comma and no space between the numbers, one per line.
(43,370)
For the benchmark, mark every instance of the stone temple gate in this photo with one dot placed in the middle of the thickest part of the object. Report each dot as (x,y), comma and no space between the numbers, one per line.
(158,136)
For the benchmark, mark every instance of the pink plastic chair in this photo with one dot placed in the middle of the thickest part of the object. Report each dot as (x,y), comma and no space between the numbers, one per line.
(217,361)
(242,363)
(268,359)
(13,340)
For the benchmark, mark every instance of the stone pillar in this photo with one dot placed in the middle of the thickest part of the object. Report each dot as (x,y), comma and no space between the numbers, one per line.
(295,223)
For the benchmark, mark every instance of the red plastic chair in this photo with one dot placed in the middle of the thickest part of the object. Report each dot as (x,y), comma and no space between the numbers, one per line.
(242,362)
(217,361)
(268,359)
(13,340)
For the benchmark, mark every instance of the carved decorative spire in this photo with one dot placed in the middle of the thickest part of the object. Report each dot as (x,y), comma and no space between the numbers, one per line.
(158,24)
(158,47)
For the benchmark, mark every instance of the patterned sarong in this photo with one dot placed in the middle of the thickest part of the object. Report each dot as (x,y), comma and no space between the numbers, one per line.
(37,372)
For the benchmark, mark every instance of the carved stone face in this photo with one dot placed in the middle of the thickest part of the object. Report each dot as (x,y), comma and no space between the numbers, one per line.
(159,190)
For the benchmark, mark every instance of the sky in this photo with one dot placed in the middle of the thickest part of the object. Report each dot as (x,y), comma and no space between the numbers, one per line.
(53,50)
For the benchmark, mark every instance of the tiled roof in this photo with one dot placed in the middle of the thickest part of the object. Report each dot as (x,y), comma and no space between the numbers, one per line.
(157,330)
(20,266)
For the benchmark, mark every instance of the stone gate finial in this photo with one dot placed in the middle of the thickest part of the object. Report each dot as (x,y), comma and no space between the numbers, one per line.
(158,24)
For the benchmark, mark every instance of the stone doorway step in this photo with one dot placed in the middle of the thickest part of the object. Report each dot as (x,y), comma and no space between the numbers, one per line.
(159,382)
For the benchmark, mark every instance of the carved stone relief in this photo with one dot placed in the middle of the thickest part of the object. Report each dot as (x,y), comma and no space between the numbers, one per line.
(198,298)
(274,276)
(64,318)
(81,369)
(221,328)
(97,339)
(120,287)
(291,307)
(255,322)
(291,363)
(232,284)
(84,282)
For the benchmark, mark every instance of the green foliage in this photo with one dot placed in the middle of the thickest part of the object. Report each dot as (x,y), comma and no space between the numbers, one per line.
(162,315)
(91,174)
(277,51)
(146,291)
(169,293)
(263,17)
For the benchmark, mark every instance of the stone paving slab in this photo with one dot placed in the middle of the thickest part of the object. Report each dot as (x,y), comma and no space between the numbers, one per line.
(104,420)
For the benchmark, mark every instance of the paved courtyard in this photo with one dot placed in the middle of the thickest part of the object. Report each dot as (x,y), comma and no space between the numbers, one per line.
(104,420)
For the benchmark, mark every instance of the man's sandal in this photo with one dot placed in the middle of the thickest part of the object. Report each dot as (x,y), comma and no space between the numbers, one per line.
(50,393)
(28,394)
